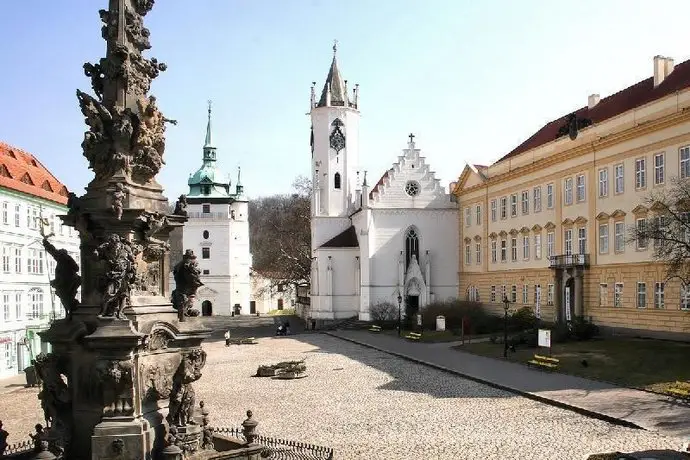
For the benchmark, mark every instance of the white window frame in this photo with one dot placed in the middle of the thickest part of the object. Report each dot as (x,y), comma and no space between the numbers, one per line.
(17,215)
(513,293)
(641,297)
(619,236)
(659,168)
(537,246)
(684,158)
(640,173)
(641,244)
(603,238)
(18,260)
(513,205)
(504,207)
(513,249)
(581,191)
(659,294)
(536,198)
(525,294)
(525,202)
(568,191)
(478,251)
(468,216)
(684,297)
(525,247)
(6,259)
(468,254)
(550,244)
(494,209)
(493,293)
(549,196)
(6,312)
(504,250)
(568,241)
(582,240)
(5,213)
(619,178)
(550,290)
(603,294)
(603,183)
(494,251)
(478,212)
(18,305)
(618,295)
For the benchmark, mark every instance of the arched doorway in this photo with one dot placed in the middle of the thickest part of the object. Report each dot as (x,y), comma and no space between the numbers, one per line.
(206,308)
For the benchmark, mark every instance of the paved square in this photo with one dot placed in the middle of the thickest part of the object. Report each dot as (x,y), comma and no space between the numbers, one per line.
(367,404)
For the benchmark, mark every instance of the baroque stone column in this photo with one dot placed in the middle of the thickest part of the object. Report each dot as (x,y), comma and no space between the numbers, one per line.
(558,294)
(123,353)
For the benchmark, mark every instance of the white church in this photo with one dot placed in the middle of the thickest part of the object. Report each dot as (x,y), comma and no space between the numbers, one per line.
(373,244)
(218,233)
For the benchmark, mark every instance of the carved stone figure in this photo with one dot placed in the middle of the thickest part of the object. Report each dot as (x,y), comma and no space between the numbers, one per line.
(207,436)
(182,397)
(158,380)
(187,281)
(116,377)
(56,400)
(158,340)
(153,223)
(67,280)
(38,437)
(119,256)
(172,438)
(136,32)
(95,72)
(181,206)
(73,204)
(149,143)
(117,197)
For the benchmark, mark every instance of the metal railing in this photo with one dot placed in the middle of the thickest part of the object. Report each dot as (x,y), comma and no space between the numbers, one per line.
(22,447)
(209,215)
(279,449)
(569,261)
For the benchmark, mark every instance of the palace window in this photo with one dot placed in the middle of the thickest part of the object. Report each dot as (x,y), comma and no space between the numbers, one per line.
(640,173)
(641,230)
(603,182)
(603,294)
(620,178)
(537,246)
(513,205)
(493,252)
(619,236)
(468,216)
(411,246)
(582,240)
(684,154)
(6,306)
(659,295)
(206,208)
(468,256)
(513,293)
(525,294)
(550,241)
(473,294)
(478,212)
(503,251)
(36,302)
(550,289)
(478,252)
(580,188)
(568,242)
(205,253)
(18,305)
(618,295)
(684,297)
(536,198)
(641,295)
(659,169)
(525,202)
(603,238)
(493,293)
(568,191)
(17,214)
(6,259)
(17,260)
(493,210)
(504,205)
(549,196)
(5,213)
(336,181)
(525,247)
(513,249)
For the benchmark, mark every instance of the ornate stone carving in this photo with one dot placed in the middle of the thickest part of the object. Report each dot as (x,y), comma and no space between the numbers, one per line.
(119,257)
(187,281)
(149,143)
(153,223)
(117,387)
(136,32)
(573,124)
(73,204)
(157,380)
(181,206)
(67,280)
(95,72)
(158,340)
(182,397)
(55,395)
(117,198)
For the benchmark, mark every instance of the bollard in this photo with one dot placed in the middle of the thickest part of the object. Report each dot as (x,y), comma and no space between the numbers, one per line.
(249,428)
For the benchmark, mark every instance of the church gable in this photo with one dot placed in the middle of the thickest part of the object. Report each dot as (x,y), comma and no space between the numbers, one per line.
(410,183)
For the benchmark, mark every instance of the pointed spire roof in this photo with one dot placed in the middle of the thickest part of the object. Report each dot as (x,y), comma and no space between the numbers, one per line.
(207,142)
(335,82)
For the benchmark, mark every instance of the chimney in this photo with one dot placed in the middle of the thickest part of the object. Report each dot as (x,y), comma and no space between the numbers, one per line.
(592,101)
(663,66)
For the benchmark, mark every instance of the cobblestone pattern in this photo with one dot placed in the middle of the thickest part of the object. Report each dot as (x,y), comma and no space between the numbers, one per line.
(367,404)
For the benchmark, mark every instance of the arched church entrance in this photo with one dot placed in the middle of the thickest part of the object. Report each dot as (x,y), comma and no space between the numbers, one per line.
(206,308)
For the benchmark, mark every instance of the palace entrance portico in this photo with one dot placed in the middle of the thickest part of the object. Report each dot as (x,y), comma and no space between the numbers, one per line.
(568,285)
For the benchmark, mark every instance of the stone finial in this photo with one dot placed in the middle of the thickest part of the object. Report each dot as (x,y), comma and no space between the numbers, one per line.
(249,428)
(172,452)
(44,453)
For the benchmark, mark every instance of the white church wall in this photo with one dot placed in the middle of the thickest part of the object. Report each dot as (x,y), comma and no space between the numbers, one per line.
(325,228)
(341,298)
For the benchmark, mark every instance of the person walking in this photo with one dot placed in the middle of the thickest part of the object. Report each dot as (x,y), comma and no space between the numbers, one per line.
(227,338)
(3,439)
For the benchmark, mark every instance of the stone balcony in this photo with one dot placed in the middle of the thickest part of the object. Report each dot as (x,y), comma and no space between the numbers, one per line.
(565,261)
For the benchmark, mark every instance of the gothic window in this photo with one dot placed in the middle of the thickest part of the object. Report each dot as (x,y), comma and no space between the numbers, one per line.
(412,188)
(411,246)
(337,137)
(336,181)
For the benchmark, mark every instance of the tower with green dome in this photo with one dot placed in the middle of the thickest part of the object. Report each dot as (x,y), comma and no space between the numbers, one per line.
(218,233)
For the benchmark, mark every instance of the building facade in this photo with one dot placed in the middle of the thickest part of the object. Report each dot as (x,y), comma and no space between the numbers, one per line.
(218,233)
(371,245)
(30,197)
(548,225)
(267,297)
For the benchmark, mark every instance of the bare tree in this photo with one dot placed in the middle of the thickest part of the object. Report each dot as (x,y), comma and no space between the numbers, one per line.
(280,235)
(667,228)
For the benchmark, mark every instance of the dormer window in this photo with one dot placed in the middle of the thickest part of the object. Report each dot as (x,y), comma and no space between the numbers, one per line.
(206,189)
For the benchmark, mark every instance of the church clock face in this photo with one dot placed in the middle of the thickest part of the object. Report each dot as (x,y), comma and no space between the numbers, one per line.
(337,140)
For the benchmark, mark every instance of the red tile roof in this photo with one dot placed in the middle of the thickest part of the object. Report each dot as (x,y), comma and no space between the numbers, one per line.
(22,172)
(378,184)
(634,96)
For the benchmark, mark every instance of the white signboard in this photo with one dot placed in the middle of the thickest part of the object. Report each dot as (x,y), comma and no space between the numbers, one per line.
(544,338)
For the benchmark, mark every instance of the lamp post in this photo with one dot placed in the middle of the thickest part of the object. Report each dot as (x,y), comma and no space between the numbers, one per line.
(506,304)
(399,315)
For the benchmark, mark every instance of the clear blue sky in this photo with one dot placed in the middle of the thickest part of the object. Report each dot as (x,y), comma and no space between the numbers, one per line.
(471,79)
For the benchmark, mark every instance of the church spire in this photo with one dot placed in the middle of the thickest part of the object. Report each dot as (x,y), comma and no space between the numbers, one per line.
(334,91)
(207,142)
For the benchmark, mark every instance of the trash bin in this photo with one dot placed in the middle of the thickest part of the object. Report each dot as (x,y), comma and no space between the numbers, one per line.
(31,376)
(440,323)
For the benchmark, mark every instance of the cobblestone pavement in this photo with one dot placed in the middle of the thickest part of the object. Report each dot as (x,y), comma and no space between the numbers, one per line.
(369,405)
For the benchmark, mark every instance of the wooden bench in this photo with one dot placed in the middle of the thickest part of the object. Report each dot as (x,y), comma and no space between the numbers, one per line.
(413,336)
(544,362)
(375,328)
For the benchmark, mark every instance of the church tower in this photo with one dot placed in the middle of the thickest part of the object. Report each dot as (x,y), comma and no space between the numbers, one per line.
(218,233)
(335,155)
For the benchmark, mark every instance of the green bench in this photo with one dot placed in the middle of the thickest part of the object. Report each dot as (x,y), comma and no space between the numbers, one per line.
(375,328)
(413,336)
(544,362)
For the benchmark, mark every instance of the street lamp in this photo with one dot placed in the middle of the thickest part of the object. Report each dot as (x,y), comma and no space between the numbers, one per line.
(506,304)
(399,315)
